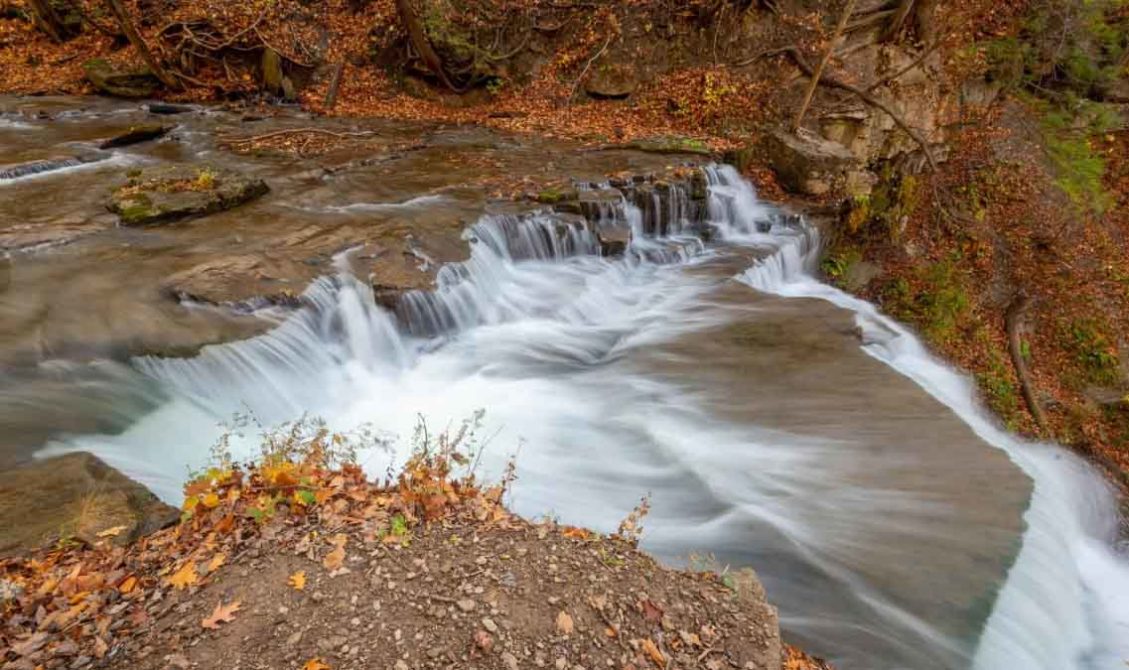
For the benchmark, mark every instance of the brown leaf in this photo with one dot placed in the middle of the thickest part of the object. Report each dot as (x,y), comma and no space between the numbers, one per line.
(221,614)
(652,612)
(564,623)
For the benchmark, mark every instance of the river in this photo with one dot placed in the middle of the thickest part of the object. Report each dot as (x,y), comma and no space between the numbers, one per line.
(775,421)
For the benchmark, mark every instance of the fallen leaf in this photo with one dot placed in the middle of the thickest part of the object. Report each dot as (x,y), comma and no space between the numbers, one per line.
(184,577)
(298,580)
(564,623)
(113,532)
(653,651)
(336,558)
(315,664)
(652,612)
(128,584)
(221,614)
(217,560)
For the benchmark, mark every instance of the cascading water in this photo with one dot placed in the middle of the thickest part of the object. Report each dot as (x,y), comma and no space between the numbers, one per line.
(585,359)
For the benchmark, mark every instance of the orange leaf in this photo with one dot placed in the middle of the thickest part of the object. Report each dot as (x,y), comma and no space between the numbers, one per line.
(315,664)
(221,614)
(297,580)
(217,560)
(653,651)
(184,577)
(334,559)
(128,584)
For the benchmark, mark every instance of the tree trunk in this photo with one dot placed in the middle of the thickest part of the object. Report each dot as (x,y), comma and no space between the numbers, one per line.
(843,18)
(419,40)
(130,31)
(48,20)
(925,21)
(1013,321)
(334,85)
(905,7)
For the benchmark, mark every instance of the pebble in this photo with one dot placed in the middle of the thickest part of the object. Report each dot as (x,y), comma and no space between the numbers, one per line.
(401,665)
(489,625)
(509,660)
(466,604)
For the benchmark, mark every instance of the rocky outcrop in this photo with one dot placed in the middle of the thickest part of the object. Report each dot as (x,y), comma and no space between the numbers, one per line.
(75,496)
(809,164)
(120,83)
(178,192)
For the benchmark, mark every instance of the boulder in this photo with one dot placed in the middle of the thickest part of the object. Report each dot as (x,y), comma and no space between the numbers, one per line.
(807,163)
(612,81)
(167,194)
(75,496)
(119,83)
(135,135)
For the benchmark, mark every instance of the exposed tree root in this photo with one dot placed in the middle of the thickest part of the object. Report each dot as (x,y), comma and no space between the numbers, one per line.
(1013,320)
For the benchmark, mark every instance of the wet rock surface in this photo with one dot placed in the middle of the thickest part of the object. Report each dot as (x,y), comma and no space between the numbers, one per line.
(182,191)
(75,496)
(397,200)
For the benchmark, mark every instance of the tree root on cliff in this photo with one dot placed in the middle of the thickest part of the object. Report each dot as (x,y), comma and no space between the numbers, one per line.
(1013,321)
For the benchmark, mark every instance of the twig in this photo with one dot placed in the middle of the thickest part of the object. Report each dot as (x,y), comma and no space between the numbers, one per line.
(869,99)
(917,61)
(334,84)
(293,131)
(576,85)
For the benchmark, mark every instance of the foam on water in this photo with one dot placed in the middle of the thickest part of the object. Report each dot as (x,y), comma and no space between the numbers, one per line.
(542,332)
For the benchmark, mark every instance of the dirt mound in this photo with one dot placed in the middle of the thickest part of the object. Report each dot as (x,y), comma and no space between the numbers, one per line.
(301,562)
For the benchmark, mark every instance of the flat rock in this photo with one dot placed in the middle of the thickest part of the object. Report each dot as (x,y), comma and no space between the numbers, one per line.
(170,193)
(76,495)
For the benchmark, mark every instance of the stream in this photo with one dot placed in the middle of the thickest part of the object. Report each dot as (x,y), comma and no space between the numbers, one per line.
(775,421)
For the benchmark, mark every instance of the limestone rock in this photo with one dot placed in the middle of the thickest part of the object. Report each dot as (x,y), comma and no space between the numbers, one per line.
(76,495)
(807,163)
(122,84)
(612,81)
(181,191)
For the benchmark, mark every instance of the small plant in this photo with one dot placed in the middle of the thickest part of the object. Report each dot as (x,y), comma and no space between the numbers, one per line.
(1094,350)
(205,180)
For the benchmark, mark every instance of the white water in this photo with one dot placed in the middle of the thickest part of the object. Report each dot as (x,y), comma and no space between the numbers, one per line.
(70,166)
(544,334)
(1066,601)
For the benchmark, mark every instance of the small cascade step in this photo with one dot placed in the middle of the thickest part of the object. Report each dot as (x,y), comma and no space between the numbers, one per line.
(28,169)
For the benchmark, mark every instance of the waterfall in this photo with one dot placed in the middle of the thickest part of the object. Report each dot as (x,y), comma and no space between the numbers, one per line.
(564,349)
(1065,603)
